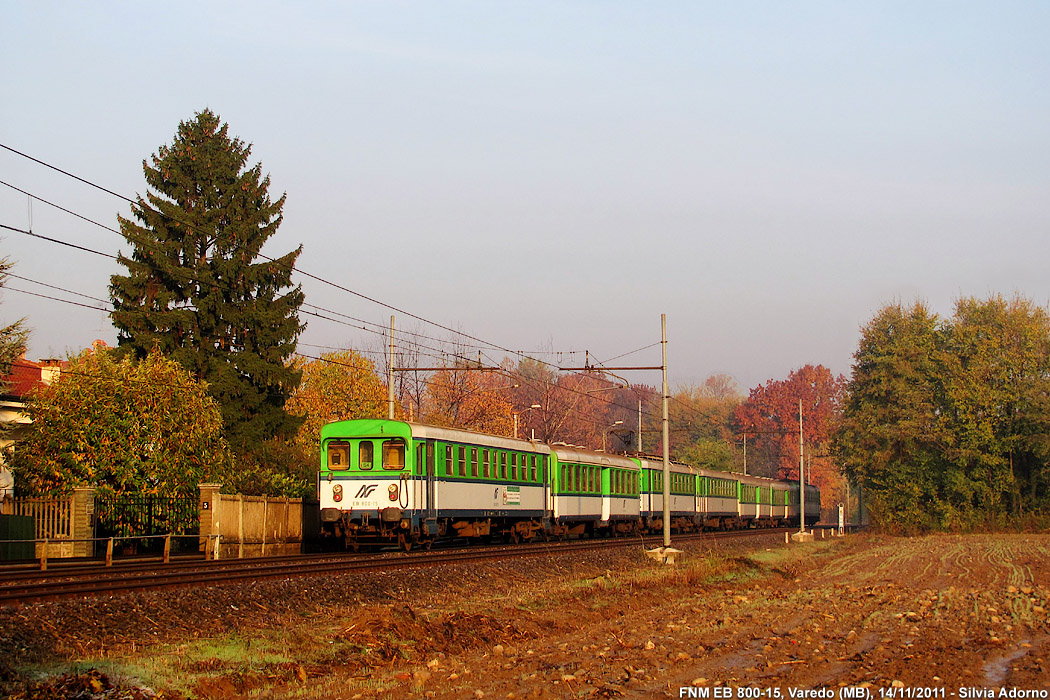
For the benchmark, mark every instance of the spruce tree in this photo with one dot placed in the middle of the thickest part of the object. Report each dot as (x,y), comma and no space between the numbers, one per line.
(197,288)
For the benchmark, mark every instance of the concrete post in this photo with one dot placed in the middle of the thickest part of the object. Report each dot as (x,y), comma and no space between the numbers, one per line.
(83,525)
(209,513)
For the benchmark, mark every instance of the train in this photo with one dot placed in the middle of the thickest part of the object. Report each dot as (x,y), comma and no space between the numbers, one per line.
(391,482)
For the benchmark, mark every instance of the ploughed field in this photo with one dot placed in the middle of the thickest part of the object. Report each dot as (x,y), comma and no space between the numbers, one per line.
(940,616)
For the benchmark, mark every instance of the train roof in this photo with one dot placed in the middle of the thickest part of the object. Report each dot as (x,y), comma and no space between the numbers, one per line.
(361,427)
(570,453)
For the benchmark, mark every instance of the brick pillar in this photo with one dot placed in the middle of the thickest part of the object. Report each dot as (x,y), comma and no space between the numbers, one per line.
(209,513)
(83,525)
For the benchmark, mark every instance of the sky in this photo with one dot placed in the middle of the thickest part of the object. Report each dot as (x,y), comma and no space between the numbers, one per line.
(551,177)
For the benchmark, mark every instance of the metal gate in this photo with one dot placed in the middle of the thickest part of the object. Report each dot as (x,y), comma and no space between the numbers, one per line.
(145,516)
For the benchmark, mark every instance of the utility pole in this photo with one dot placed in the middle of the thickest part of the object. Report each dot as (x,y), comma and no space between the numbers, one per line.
(745,453)
(390,379)
(639,440)
(801,466)
(666,435)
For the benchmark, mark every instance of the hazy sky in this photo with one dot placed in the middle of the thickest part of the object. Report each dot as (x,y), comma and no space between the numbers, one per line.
(555,175)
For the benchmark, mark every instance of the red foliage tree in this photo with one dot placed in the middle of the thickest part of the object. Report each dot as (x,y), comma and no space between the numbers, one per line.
(769,417)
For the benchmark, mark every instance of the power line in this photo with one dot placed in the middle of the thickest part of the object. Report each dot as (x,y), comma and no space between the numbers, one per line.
(55,240)
(140,202)
(269,259)
(186,273)
(51,286)
(45,296)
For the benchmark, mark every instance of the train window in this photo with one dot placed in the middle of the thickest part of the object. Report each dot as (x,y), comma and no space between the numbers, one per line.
(338,456)
(485,463)
(503,465)
(393,454)
(532,468)
(473,461)
(448,460)
(364,454)
(461,461)
(513,466)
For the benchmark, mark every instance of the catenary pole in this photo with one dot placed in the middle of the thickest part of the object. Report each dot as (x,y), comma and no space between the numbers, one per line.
(801,478)
(638,442)
(390,379)
(666,433)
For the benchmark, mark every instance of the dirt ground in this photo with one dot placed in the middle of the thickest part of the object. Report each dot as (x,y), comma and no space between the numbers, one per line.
(894,615)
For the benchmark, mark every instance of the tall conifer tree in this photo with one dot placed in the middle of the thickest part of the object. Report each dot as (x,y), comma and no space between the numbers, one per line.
(196,288)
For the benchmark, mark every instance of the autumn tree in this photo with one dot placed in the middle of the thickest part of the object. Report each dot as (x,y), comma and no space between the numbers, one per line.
(996,370)
(888,440)
(198,288)
(462,396)
(770,418)
(13,336)
(701,429)
(125,426)
(336,386)
(946,422)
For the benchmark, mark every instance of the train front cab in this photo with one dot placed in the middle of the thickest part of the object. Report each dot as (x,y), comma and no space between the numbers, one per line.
(367,484)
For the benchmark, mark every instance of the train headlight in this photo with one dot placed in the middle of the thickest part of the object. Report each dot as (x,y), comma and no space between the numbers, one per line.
(337,493)
(392,492)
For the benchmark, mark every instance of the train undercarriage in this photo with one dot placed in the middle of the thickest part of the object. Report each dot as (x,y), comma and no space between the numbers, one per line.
(390,527)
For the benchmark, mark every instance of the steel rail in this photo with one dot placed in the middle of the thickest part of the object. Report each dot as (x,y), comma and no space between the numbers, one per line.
(70,585)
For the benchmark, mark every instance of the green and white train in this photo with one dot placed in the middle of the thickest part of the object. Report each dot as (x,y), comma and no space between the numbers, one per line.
(394,482)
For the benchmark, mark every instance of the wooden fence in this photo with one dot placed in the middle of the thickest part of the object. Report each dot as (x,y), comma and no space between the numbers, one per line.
(251,526)
(54,521)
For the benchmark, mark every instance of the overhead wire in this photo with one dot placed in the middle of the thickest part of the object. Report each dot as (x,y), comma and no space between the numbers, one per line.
(141,202)
(272,260)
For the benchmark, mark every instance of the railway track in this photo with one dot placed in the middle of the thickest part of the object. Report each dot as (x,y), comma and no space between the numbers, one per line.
(30,586)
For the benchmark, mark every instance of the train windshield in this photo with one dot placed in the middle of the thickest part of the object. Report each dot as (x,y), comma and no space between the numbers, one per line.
(393,454)
(338,456)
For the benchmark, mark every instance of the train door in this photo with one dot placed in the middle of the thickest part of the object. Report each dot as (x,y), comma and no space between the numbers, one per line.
(431,509)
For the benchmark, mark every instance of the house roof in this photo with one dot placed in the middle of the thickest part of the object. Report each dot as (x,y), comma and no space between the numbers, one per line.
(25,376)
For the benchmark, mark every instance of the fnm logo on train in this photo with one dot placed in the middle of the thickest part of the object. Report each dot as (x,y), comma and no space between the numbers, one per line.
(366,490)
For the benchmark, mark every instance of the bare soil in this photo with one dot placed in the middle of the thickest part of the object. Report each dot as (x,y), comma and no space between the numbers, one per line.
(942,612)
